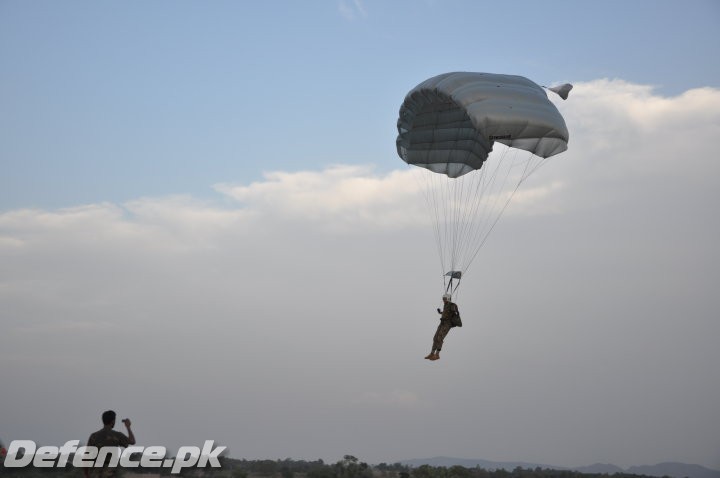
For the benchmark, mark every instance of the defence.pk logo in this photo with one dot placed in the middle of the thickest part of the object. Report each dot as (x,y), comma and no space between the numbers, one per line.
(22,453)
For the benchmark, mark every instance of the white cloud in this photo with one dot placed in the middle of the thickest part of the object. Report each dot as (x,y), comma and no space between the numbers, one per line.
(153,223)
(340,196)
(352,9)
(618,130)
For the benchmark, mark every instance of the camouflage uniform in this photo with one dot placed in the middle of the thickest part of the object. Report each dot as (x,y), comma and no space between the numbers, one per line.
(107,437)
(445,325)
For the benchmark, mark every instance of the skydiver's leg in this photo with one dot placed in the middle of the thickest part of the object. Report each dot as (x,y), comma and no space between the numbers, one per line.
(439,338)
(437,344)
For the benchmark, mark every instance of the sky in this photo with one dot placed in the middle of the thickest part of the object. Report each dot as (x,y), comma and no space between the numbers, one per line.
(205,226)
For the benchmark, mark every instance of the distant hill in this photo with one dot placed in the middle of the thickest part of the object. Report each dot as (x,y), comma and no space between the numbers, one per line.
(601,468)
(673,470)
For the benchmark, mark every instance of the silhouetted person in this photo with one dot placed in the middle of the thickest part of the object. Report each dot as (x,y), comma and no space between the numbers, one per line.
(106,436)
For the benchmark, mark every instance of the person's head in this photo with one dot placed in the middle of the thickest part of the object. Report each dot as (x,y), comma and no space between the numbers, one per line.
(446,297)
(108,418)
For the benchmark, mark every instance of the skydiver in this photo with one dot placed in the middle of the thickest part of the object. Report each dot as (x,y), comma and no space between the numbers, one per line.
(449,311)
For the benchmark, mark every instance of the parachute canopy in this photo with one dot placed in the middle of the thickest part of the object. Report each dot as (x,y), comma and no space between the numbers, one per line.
(449,123)
(448,126)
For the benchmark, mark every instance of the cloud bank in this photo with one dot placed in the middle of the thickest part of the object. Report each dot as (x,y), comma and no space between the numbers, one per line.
(301,305)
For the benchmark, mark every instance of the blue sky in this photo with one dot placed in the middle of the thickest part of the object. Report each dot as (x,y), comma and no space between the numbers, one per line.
(204,224)
(109,101)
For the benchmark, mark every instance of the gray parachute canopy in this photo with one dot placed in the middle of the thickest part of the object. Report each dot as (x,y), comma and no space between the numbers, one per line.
(449,123)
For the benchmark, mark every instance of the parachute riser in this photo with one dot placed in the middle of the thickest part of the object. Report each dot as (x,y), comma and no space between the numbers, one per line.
(454,282)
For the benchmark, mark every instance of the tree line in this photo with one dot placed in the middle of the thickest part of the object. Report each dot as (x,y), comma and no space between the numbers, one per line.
(348,467)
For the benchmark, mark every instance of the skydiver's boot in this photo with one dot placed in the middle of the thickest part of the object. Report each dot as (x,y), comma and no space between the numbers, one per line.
(436,356)
(430,357)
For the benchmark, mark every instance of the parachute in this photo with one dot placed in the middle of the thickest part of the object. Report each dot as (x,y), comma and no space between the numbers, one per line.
(474,138)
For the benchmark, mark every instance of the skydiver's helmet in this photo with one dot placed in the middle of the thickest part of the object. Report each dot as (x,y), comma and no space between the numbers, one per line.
(447,296)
